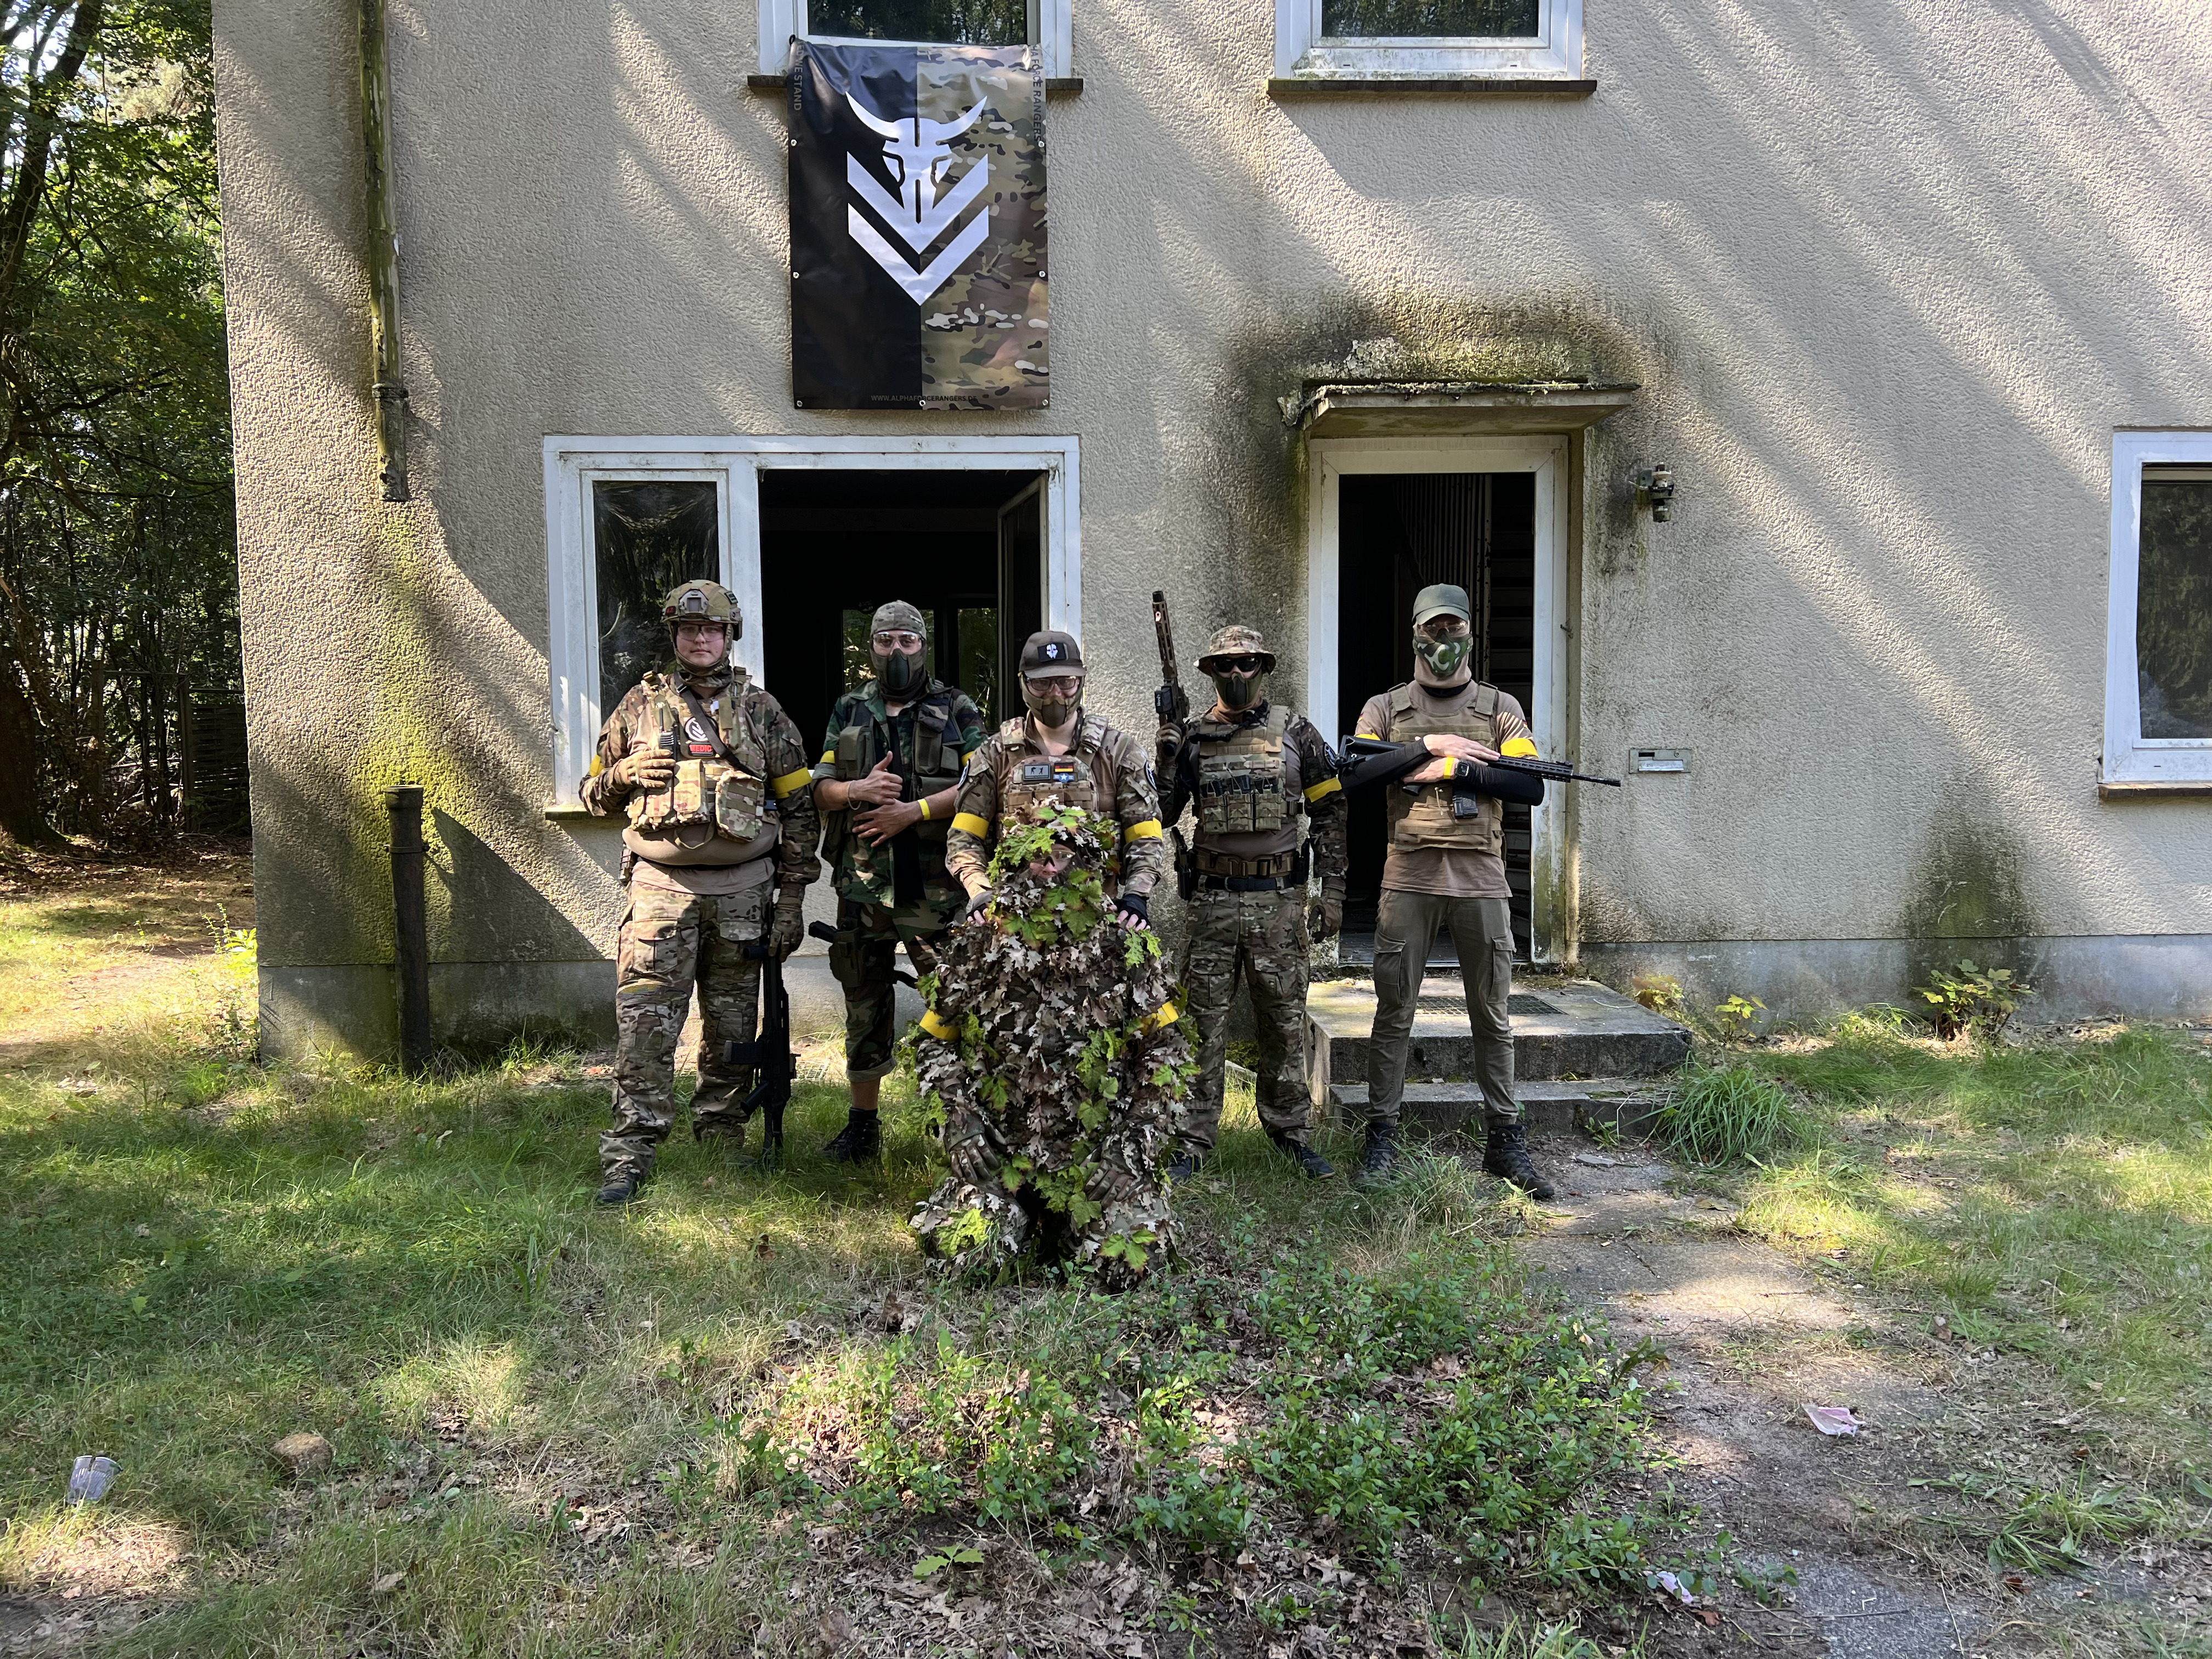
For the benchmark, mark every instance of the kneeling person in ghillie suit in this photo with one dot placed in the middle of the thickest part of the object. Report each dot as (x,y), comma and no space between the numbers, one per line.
(712,775)
(1053,1051)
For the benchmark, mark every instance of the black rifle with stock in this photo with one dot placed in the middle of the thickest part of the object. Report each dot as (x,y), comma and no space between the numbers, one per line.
(1173,708)
(1465,802)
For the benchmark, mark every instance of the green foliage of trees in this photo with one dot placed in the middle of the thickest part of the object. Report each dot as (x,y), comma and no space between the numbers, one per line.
(117,546)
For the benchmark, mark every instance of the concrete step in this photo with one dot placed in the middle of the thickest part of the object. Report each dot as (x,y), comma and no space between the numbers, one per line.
(1601,1107)
(1562,1030)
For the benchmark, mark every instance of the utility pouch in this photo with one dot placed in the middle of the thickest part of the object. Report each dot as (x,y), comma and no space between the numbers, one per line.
(845,958)
(689,795)
(853,760)
(738,810)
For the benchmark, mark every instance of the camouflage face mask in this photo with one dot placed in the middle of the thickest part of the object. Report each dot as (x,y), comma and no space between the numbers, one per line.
(1444,657)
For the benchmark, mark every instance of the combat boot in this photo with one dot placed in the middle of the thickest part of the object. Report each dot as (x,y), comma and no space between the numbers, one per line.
(1311,1164)
(621,1189)
(1185,1163)
(1505,1155)
(861,1142)
(1380,1160)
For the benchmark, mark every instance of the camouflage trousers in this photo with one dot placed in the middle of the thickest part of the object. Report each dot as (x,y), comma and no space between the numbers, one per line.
(863,961)
(1261,936)
(1482,933)
(670,942)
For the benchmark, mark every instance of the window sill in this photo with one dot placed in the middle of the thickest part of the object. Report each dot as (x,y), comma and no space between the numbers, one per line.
(2153,788)
(1055,85)
(1285,87)
(567,811)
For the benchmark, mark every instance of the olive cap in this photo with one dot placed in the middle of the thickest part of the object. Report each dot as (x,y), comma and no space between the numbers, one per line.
(1441,598)
(1050,654)
(1237,641)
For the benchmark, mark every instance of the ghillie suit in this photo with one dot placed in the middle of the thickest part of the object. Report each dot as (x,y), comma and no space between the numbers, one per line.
(1051,1055)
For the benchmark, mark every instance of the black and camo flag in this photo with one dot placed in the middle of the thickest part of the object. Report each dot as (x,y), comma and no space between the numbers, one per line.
(917,228)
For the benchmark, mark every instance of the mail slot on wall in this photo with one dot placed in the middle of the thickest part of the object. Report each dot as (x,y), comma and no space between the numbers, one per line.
(1658,760)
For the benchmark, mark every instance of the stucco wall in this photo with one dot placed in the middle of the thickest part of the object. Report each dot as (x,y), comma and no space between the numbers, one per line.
(1889,275)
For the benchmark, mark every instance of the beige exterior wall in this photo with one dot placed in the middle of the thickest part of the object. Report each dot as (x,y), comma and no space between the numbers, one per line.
(1889,276)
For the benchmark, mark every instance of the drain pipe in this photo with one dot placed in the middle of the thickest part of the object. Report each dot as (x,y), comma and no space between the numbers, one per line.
(383,255)
(410,955)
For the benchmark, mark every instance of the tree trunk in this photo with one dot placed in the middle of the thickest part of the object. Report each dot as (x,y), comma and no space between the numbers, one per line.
(21,818)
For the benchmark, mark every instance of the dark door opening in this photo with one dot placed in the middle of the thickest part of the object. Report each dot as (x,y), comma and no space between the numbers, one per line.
(1400,533)
(966,547)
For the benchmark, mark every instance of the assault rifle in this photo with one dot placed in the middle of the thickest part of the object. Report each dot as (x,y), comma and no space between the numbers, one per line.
(1553,771)
(1173,708)
(775,1064)
(831,937)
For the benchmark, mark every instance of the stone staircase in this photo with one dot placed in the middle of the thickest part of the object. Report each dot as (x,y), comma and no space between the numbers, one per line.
(1584,1057)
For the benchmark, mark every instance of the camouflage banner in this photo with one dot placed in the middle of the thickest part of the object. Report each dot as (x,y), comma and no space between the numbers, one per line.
(917,228)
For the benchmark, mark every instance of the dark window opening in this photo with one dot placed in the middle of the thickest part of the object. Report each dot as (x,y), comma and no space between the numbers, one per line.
(955,22)
(964,547)
(646,538)
(2173,602)
(1487,20)
(1400,533)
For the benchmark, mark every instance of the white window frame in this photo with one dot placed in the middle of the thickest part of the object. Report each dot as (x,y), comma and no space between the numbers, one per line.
(1553,53)
(1329,460)
(1050,25)
(574,464)
(2130,757)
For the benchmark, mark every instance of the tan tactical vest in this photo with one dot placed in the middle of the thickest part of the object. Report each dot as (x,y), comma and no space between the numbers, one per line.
(936,763)
(1249,804)
(719,795)
(1084,777)
(1426,819)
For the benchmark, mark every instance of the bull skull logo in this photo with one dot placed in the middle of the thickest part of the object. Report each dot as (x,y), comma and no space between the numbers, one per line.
(918,216)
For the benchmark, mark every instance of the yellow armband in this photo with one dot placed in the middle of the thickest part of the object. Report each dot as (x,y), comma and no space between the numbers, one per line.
(938,1026)
(792,783)
(1326,787)
(969,823)
(1148,830)
(1518,748)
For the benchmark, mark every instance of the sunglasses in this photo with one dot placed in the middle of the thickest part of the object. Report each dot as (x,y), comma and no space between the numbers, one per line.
(1065,685)
(1235,665)
(1446,627)
(899,641)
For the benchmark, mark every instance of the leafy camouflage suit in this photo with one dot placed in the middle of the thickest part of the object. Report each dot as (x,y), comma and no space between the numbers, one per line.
(673,936)
(899,890)
(1052,1055)
(1105,770)
(1247,894)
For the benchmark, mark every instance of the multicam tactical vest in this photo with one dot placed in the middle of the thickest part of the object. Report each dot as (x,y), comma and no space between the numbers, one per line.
(1427,819)
(1082,777)
(721,767)
(1249,802)
(936,763)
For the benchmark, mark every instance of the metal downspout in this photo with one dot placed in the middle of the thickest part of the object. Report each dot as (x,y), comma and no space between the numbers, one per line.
(390,389)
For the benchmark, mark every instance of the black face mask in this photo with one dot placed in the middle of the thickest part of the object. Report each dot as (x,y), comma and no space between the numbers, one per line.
(1239,691)
(898,673)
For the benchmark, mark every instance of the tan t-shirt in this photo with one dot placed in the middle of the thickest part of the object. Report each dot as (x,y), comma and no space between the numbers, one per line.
(1449,872)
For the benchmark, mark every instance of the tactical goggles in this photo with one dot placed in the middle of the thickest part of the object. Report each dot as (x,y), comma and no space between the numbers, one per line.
(898,640)
(1446,627)
(1064,685)
(1247,664)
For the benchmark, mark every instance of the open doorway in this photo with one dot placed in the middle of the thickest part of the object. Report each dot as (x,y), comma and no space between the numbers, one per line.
(1398,532)
(965,546)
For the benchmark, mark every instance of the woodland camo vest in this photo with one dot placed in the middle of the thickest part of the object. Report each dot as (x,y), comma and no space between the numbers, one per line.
(936,763)
(1426,819)
(721,765)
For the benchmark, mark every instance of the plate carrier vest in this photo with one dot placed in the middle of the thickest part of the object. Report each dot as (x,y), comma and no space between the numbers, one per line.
(1427,819)
(936,767)
(1078,778)
(723,784)
(1243,789)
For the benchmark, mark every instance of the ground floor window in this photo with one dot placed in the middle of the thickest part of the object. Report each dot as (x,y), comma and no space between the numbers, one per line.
(2158,670)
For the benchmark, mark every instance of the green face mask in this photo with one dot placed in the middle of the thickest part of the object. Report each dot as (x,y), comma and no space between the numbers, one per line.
(1446,658)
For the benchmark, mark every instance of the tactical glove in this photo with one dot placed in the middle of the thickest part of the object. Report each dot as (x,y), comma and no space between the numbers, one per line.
(968,1149)
(976,902)
(649,769)
(1326,915)
(790,924)
(1133,904)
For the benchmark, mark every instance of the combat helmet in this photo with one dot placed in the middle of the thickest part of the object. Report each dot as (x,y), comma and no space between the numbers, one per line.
(702,601)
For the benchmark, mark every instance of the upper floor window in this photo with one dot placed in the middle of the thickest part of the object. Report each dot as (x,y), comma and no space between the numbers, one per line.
(2158,650)
(1429,39)
(930,22)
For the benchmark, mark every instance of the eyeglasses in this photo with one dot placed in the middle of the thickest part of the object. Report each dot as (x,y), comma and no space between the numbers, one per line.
(898,640)
(1235,665)
(1062,685)
(697,630)
(1446,627)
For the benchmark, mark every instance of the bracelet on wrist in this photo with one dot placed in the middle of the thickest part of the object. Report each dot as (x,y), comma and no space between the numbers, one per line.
(924,809)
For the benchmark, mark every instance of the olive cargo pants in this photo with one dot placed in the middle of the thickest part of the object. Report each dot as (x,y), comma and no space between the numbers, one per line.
(863,962)
(669,941)
(1264,935)
(1482,931)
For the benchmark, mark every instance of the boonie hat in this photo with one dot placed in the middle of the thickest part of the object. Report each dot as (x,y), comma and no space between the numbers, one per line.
(1237,641)
(1050,654)
(1441,598)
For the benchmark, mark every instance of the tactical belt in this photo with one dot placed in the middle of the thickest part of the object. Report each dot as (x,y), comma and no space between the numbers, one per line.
(1210,864)
(1244,883)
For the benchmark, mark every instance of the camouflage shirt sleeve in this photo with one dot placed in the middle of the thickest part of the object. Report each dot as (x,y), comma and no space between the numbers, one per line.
(791,780)
(968,720)
(1325,809)
(968,838)
(1144,855)
(602,796)
(840,717)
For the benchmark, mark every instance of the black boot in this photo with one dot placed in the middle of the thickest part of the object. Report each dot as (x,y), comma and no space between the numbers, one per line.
(861,1142)
(1311,1164)
(1186,1163)
(621,1189)
(1382,1156)
(1505,1155)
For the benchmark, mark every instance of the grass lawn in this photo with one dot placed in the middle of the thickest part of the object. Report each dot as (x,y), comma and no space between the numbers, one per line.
(740,1417)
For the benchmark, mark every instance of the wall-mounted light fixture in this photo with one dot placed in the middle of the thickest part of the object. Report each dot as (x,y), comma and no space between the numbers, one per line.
(1656,488)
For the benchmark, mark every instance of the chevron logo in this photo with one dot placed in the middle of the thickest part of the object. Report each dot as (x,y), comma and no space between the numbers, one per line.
(916,153)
